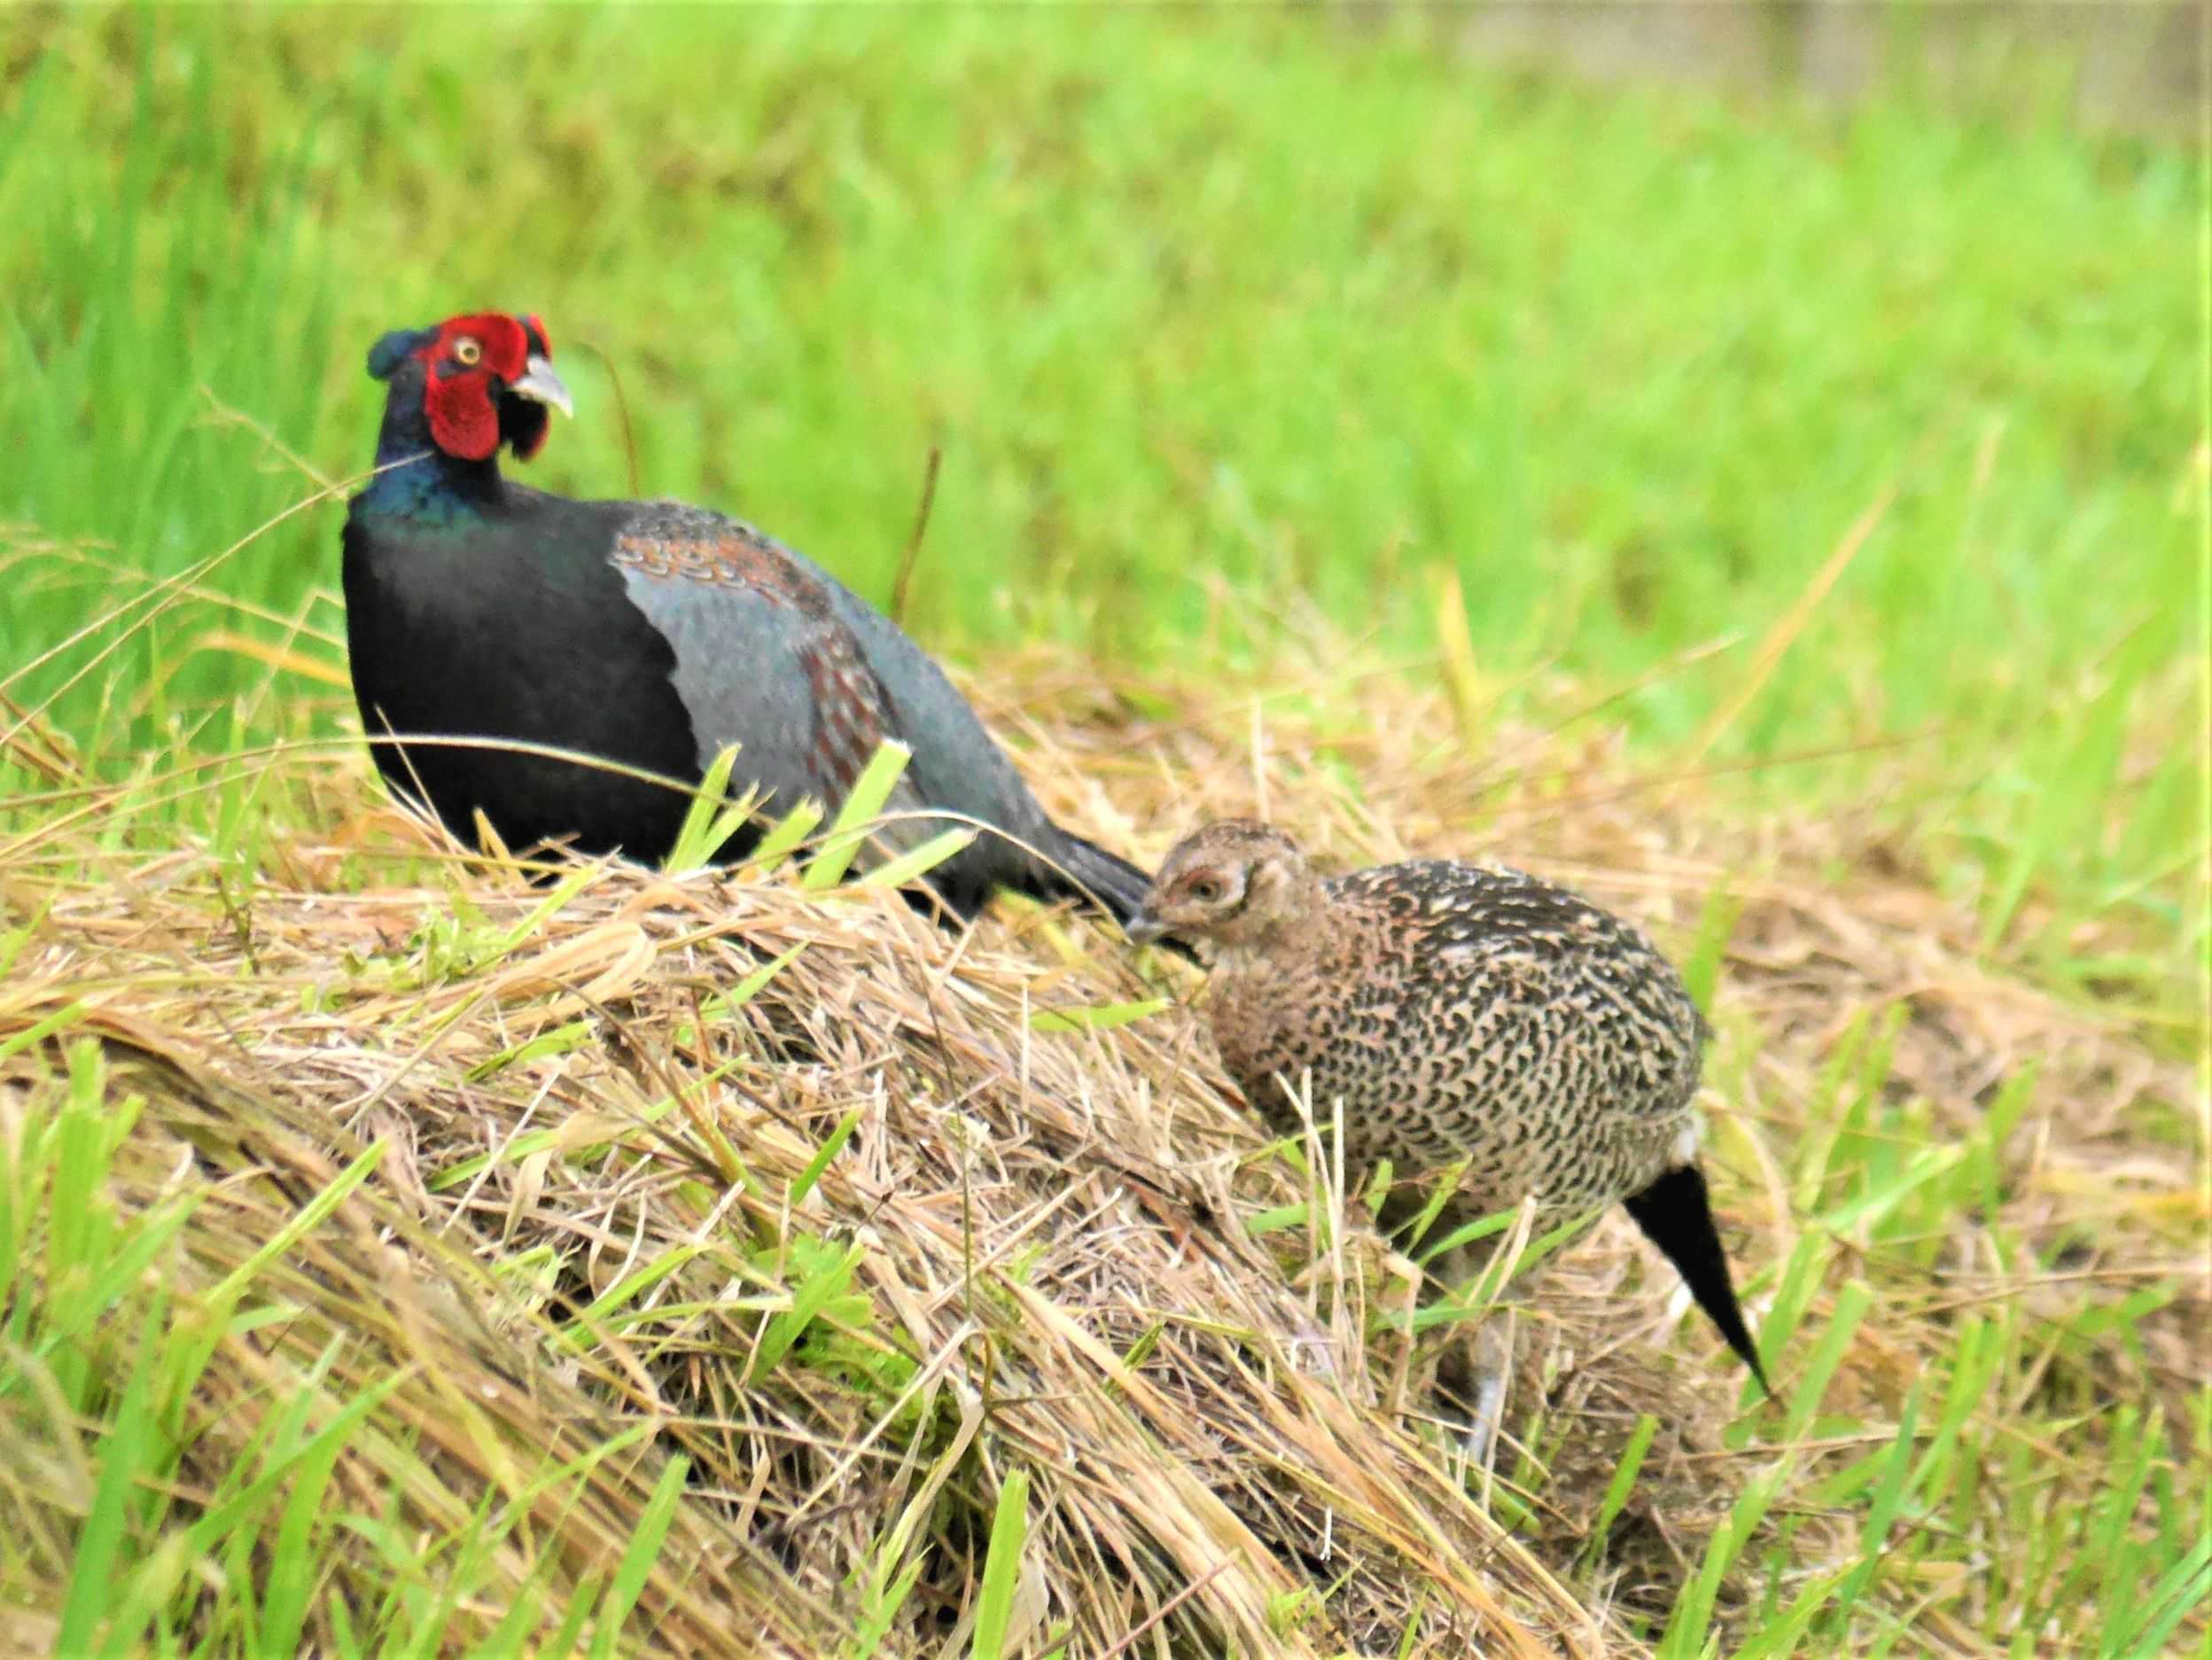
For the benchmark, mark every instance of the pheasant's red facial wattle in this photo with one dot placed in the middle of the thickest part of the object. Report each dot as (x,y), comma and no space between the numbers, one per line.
(462,361)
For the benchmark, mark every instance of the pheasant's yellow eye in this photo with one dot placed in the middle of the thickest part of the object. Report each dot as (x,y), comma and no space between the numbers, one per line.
(468,352)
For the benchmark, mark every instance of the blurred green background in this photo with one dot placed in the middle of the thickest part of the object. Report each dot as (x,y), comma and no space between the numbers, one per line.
(1207,310)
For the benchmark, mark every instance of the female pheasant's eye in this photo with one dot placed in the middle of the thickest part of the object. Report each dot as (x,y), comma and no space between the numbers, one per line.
(468,351)
(1206,890)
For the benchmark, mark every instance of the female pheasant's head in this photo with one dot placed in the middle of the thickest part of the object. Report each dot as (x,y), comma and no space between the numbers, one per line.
(483,380)
(1234,883)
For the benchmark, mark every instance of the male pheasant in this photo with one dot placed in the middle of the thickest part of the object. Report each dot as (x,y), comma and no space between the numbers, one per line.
(1451,1012)
(647,634)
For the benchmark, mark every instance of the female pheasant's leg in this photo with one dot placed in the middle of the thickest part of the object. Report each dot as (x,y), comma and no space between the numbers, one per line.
(1471,1377)
(1473,1371)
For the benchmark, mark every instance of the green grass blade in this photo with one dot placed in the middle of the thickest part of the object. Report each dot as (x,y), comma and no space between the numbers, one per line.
(1623,1482)
(1689,1627)
(637,1561)
(754,983)
(577,1333)
(1716,926)
(566,889)
(919,862)
(562,1039)
(863,804)
(1276,1218)
(582,1601)
(222,1519)
(879,1611)
(812,1295)
(1001,1568)
(566,1137)
(804,1182)
(293,1564)
(710,819)
(1103,1017)
(126,1458)
(2183,1589)
(1883,1504)
(786,835)
(312,1216)
(39,1030)
(1851,1304)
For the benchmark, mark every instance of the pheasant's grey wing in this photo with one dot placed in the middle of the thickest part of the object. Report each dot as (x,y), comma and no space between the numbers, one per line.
(762,660)
(876,682)
(964,768)
(958,767)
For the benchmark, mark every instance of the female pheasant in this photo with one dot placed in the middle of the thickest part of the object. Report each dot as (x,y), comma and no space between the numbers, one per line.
(1449,1012)
(647,634)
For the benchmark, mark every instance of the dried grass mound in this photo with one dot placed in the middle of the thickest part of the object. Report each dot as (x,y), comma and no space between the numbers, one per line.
(737,1268)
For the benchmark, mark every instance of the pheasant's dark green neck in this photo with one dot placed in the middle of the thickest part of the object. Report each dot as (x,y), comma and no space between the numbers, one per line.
(415,478)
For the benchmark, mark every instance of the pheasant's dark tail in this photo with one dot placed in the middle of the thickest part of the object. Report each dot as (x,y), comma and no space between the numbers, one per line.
(1677,1215)
(1092,872)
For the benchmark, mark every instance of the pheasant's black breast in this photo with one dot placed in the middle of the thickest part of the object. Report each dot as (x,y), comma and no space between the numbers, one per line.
(512,630)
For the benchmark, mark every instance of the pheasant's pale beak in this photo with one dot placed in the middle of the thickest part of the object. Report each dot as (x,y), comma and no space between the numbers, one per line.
(1143,927)
(541,385)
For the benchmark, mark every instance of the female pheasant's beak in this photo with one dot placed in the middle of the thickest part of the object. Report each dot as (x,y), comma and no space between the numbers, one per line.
(541,385)
(1143,927)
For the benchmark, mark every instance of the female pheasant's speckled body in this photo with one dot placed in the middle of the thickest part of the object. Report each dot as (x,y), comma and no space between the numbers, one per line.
(1454,1011)
(1446,1012)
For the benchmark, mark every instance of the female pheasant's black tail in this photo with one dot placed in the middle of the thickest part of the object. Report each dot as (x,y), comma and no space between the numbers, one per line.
(1676,1214)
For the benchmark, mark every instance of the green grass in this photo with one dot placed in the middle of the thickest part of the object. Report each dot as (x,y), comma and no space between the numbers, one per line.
(1202,311)
(1222,321)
